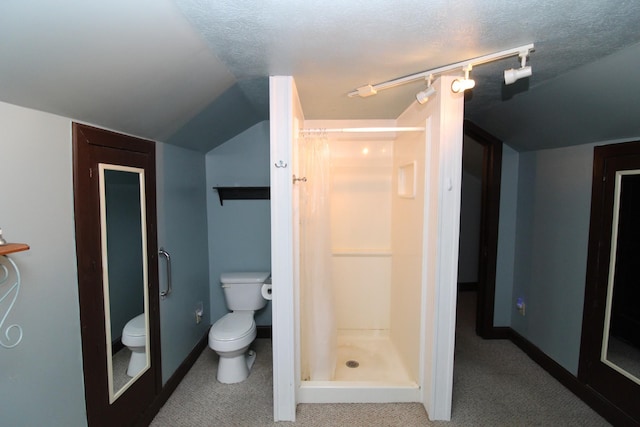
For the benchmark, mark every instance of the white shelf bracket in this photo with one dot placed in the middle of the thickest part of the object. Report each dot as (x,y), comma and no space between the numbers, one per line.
(10,335)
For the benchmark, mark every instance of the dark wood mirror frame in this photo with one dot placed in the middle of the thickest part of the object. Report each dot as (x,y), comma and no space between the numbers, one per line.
(92,146)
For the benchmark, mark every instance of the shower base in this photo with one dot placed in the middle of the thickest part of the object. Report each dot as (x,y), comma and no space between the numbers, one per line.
(379,377)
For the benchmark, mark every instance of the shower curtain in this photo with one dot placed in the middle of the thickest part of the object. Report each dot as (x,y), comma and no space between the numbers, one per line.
(318,331)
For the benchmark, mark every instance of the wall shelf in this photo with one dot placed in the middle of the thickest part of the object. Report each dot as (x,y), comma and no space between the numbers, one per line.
(243,193)
(9,290)
(10,248)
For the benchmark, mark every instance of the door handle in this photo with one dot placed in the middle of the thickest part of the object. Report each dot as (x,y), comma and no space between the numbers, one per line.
(166,255)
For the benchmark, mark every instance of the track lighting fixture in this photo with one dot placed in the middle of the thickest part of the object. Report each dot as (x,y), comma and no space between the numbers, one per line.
(423,96)
(511,75)
(460,85)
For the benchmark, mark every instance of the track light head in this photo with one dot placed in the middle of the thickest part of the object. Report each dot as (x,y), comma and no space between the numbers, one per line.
(423,96)
(511,75)
(460,85)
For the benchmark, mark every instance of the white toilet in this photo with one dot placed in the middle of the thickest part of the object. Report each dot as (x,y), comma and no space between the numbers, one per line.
(134,336)
(231,335)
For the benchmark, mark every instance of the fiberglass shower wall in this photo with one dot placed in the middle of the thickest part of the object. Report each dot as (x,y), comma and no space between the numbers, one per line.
(376,231)
(361,234)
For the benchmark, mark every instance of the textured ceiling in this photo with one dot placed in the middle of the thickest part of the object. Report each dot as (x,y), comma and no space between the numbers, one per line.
(332,47)
(194,72)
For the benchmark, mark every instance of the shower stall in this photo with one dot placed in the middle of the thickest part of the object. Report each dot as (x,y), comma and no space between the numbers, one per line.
(361,220)
(374,319)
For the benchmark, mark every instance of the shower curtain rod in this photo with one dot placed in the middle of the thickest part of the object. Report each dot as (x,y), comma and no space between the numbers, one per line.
(364,129)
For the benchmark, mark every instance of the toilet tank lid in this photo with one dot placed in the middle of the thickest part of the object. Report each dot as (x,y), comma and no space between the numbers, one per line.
(245,277)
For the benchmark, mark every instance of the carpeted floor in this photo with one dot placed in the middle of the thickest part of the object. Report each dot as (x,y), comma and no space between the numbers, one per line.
(495,384)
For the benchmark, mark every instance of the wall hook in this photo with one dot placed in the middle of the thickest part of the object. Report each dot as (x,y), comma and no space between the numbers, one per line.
(304,179)
(281,164)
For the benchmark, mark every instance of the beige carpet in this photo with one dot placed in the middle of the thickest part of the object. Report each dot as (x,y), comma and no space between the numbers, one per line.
(495,384)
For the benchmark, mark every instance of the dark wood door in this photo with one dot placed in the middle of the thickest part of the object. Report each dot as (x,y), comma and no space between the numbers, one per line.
(489,219)
(93,149)
(611,313)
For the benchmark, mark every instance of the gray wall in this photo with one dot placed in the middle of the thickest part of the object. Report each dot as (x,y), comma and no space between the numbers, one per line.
(239,231)
(41,380)
(182,231)
(553,208)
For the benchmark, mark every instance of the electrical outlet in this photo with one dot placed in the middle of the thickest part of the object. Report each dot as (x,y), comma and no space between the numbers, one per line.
(521,306)
(199,312)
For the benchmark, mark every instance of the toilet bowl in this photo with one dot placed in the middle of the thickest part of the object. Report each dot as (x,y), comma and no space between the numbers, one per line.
(230,337)
(232,334)
(134,336)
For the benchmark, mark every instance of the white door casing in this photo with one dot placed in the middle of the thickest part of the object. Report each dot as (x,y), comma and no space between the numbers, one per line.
(285,114)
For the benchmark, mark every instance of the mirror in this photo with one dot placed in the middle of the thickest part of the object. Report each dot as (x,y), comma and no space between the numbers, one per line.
(124,260)
(621,340)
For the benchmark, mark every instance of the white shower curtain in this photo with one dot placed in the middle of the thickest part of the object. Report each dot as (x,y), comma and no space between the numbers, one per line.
(318,332)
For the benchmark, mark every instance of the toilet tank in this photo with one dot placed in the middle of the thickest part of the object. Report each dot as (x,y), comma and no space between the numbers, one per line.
(242,291)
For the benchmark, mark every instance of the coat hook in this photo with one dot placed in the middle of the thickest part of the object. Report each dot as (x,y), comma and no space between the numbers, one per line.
(281,164)
(304,179)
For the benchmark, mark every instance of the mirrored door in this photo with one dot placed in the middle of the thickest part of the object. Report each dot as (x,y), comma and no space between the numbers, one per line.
(610,346)
(114,194)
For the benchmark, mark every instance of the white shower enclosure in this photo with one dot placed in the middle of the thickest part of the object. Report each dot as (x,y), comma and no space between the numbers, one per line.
(395,206)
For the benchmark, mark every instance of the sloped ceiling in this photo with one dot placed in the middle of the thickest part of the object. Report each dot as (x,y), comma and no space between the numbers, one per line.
(195,72)
(241,106)
(136,67)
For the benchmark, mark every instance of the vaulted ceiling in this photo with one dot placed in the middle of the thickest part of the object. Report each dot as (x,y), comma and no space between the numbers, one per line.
(195,72)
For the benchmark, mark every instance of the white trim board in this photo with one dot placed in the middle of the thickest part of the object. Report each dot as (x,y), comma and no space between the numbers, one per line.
(282,95)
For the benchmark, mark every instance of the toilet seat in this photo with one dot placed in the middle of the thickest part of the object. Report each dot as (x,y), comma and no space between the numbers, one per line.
(134,333)
(232,326)
(232,331)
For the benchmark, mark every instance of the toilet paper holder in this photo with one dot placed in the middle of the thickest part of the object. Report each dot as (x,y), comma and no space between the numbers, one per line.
(267,291)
